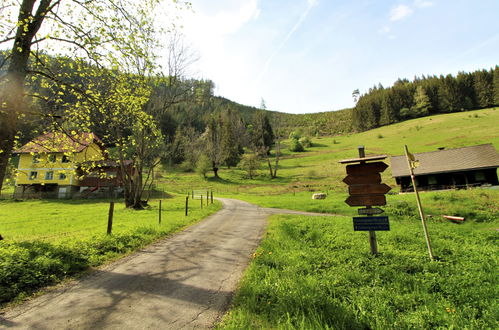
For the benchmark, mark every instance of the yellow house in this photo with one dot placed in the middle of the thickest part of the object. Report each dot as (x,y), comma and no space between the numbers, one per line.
(49,164)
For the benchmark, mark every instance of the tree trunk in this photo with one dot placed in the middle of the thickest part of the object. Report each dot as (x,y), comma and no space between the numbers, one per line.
(12,91)
(270,167)
(215,171)
(277,156)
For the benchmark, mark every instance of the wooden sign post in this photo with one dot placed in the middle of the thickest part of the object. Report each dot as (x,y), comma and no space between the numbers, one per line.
(365,189)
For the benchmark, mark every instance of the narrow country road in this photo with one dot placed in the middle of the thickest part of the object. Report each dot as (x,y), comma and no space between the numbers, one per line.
(183,282)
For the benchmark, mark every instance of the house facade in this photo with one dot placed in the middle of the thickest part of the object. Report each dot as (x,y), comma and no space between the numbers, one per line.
(54,165)
(458,168)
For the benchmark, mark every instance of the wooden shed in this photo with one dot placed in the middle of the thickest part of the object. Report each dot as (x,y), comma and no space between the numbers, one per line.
(449,169)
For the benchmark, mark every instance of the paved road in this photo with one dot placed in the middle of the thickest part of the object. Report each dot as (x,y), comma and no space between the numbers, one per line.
(183,282)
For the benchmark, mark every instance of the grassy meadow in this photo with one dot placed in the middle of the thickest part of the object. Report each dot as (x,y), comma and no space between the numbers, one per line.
(46,241)
(309,272)
(317,273)
(317,169)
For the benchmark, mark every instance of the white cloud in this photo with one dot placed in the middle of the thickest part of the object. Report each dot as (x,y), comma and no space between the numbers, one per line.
(400,12)
(422,3)
(223,22)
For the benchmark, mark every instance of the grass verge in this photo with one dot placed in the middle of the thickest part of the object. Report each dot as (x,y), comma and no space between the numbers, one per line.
(316,273)
(48,241)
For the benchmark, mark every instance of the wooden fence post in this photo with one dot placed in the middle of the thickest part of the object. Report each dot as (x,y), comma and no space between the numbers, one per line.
(110,218)
(207,198)
(159,214)
(187,205)
(212,197)
(201,200)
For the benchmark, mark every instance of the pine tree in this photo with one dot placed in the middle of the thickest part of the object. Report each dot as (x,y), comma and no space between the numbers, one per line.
(496,85)
(483,88)
(422,102)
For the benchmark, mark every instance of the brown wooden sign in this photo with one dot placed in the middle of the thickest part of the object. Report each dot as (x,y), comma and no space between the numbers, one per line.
(362,179)
(367,168)
(366,200)
(370,211)
(368,189)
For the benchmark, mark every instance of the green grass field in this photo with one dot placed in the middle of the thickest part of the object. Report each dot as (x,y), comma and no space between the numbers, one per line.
(318,169)
(46,241)
(317,273)
(309,272)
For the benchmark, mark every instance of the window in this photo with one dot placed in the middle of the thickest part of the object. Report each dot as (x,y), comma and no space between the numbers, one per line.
(49,175)
(52,158)
(33,175)
(65,159)
(36,159)
(62,176)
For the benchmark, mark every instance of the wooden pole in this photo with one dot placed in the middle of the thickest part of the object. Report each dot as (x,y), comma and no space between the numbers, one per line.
(110,218)
(187,205)
(373,243)
(420,207)
(159,214)
(212,197)
(201,200)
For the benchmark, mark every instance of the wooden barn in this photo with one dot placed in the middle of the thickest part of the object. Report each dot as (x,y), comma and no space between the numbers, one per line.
(459,168)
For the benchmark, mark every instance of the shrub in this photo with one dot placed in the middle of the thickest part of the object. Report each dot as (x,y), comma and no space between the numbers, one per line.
(295,135)
(306,142)
(250,163)
(296,146)
(186,166)
(203,165)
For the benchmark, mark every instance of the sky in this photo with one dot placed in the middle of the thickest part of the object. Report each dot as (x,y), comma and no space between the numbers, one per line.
(303,56)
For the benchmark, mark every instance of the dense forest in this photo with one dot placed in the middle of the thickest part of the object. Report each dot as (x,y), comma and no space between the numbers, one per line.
(424,96)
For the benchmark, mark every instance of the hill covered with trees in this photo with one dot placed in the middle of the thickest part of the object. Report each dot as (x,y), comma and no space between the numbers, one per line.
(424,96)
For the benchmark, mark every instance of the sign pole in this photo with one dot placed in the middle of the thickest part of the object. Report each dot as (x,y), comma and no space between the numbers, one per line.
(420,207)
(372,234)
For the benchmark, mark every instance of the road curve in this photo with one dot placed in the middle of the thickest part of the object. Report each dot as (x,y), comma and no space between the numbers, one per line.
(183,282)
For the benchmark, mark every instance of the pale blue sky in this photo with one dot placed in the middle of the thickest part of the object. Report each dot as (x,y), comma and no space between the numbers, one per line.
(309,55)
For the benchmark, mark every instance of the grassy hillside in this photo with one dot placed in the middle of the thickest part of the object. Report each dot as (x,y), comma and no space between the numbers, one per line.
(318,169)
(317,273)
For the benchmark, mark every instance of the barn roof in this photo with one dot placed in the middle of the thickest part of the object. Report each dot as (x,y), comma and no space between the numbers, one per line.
(452,160)
(59,142)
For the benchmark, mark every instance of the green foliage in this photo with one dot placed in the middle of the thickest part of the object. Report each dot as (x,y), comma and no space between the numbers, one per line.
(306,142)
(262,135)
(53,240)
(496,85)
(295,146)
(424,96)
(250,162)
(203,165)
(295,135)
